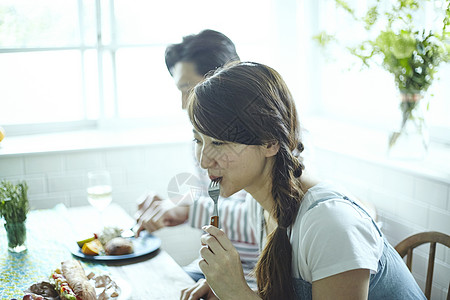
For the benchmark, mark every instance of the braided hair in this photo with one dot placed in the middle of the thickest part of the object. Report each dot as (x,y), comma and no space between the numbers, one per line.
(249,103)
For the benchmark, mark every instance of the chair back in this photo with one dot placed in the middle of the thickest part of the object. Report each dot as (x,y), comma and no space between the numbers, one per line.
(406,247)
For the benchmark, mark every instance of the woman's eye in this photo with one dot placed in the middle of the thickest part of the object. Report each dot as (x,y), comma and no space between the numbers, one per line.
(196,140)
(217,143)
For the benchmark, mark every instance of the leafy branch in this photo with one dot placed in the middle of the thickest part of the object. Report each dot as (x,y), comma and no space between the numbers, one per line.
(411,55)
(14,204)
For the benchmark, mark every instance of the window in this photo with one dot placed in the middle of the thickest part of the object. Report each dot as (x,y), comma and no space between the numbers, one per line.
(367,97)
(84,63)
(80,62)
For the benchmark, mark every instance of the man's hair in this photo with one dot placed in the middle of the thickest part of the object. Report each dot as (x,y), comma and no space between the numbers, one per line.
(207,50)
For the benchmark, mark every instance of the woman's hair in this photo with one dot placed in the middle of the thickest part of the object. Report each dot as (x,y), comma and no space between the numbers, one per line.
(249,103)
(207,50)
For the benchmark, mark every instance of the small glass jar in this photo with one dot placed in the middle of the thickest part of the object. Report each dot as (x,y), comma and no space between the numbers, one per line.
(412,139)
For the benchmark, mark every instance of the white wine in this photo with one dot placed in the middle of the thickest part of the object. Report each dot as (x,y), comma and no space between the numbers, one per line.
(99,196)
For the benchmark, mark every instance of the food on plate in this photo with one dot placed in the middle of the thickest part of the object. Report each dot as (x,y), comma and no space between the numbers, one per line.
(111,290)
(109,233)
(41,291)
(82,242)
(62,286)
(31,296)
(2,133)
(119,246)
(71,283)
(93,247)
(108,242)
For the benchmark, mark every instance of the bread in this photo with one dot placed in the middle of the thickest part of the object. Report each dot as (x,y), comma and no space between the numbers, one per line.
(119,246)
(77,279)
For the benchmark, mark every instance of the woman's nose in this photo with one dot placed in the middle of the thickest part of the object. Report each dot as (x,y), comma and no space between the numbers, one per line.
(206,158)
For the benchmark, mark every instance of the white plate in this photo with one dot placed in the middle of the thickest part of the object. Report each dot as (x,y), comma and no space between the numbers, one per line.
(125,289)
(143,245)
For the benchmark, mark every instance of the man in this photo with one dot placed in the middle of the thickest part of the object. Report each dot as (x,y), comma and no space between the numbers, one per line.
(188,62)
(197,55)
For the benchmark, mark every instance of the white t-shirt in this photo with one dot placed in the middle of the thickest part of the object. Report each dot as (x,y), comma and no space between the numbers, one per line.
(333,237)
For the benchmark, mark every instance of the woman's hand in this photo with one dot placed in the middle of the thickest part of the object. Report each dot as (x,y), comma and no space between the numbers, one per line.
(222,267)
(200,290)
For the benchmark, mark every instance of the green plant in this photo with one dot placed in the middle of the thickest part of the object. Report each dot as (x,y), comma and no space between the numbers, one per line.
(14,207)
(14,204)
(411,54)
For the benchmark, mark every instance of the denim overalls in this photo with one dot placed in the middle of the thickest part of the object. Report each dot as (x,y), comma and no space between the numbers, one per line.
(392,281)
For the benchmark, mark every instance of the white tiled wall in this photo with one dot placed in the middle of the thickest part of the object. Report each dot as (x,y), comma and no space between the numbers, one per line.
(60,177)
(405,203)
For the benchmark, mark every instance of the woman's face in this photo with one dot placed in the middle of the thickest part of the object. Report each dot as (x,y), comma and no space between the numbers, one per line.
(239,166)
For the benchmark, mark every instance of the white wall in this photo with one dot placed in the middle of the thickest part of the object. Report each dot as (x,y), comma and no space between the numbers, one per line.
(60,177)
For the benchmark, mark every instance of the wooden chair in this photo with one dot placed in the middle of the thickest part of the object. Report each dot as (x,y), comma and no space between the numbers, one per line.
(406,247)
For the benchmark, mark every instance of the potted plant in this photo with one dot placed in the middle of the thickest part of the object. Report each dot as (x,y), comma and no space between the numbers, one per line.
(411,54)
(14,207)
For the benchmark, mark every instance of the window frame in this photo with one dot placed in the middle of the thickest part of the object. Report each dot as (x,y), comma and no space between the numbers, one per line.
(100,48)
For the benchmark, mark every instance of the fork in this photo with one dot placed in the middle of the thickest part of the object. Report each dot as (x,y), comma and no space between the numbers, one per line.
(214,191)
(129,233)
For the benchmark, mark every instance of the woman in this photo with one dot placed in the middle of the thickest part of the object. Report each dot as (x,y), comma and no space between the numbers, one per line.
(317,243)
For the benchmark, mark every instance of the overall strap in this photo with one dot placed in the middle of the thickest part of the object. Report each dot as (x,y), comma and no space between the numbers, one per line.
(352,202)
(263,225)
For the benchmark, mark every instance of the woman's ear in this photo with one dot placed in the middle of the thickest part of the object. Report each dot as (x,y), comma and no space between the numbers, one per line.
(271,148)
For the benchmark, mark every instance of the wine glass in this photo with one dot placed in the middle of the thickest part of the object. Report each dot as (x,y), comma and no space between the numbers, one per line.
(99,190)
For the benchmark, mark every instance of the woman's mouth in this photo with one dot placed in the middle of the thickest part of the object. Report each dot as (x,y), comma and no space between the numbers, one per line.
(215,178)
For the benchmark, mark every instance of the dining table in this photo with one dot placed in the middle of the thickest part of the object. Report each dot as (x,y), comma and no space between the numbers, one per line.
(51,239)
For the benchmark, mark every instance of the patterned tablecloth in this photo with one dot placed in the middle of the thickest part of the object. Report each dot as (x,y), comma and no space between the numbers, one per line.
(48,234)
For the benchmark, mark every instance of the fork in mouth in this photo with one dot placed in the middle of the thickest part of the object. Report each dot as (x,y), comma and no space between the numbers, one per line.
(214,192)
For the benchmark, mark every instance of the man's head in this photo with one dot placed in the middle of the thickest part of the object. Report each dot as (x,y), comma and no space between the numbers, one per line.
(189,61)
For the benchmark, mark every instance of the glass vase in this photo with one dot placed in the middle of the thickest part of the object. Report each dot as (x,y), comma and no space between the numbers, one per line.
(411,140)
(17,236)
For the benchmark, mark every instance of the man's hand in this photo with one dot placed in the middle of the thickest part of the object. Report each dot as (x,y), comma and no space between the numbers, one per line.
(155,213)
(200,290)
